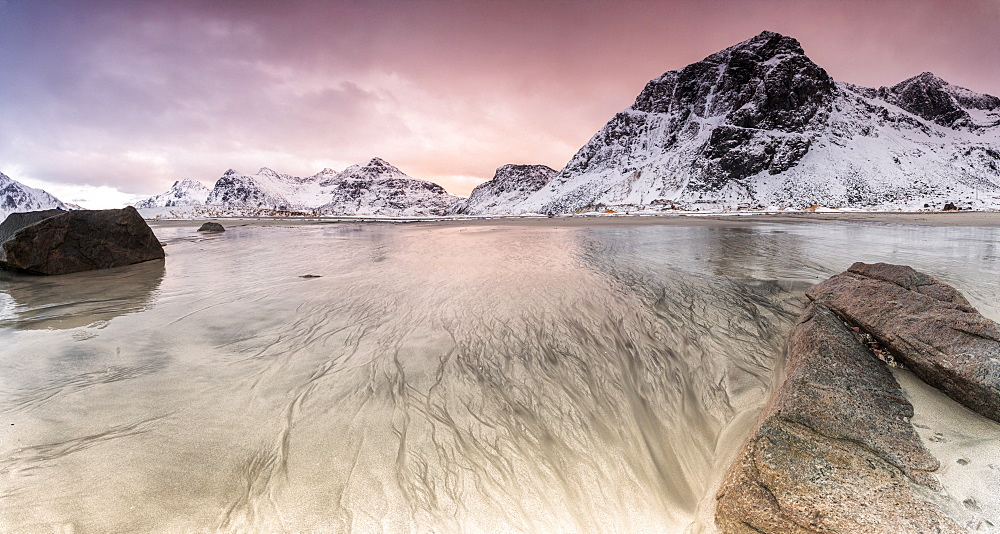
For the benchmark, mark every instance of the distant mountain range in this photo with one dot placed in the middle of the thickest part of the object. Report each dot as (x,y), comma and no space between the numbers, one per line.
(374,188)
(757,125)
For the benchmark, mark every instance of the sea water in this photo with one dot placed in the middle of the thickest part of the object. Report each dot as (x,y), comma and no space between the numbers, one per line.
(426,377)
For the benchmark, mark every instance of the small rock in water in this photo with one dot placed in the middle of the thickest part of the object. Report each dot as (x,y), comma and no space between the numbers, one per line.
(211,227)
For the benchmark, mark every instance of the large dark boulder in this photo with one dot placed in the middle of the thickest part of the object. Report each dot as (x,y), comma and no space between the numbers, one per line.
(16,221)
(834,451)
(926,325)
(81,240)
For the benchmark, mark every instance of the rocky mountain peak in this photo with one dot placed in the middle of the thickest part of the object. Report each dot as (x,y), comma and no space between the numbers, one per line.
(510,184)
(743,110)
(934,99)
(230,172)
(768,44)
(926,78)
(759,123)
(764,82)
(529,176)
(379,165)
(186,192)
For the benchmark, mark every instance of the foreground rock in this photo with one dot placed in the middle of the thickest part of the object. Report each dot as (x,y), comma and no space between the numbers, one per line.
(16,221)
(211,227)
(834,451)
(928,326)
(79,241)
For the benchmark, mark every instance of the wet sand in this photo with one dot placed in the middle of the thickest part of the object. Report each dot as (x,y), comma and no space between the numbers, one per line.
(515,375)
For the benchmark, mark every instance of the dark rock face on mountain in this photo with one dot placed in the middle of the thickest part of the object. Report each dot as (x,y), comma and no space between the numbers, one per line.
(762,95)
(760,124)
(510,184)
(834,451)
(928,326)
(79,241)
(765,83)
(16,197)
(935,100)
(924,96)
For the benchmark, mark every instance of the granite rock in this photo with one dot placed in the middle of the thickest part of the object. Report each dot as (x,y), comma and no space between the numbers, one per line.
(926,325)
(834,451)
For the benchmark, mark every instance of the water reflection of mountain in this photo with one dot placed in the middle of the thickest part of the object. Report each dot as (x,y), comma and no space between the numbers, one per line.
(720,325)
(30,302)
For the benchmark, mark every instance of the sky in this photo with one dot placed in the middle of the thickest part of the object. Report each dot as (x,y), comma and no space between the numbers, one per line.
(104,103)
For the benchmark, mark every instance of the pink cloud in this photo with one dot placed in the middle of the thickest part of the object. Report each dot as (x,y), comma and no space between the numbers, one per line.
(136,95)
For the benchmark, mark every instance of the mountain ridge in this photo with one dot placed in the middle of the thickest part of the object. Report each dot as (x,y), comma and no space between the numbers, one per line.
(16,197)
(759,124)
(372,188)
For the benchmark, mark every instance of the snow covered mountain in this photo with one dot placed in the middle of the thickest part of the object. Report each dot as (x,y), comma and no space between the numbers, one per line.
(375,188)
(266,189)
(16,197)
(378,188)
(760,124)
(182,193)
(510,185)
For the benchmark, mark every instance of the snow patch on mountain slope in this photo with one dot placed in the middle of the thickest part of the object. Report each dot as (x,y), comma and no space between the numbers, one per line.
(875,154)
(182,193)
(510,185)
(378,188)
(373,188)
(16,197)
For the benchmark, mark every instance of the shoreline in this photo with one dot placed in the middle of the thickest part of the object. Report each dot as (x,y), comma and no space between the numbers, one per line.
(957,218)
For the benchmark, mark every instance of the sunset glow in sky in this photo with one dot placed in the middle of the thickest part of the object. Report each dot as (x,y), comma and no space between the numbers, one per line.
(103,102)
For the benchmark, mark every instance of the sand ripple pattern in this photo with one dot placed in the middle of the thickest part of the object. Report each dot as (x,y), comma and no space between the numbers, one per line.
(433,379)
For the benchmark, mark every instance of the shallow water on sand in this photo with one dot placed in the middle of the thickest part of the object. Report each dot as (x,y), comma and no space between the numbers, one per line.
(434,378)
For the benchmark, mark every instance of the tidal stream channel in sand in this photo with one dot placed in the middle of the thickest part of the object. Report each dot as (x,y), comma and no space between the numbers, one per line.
(434,377)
